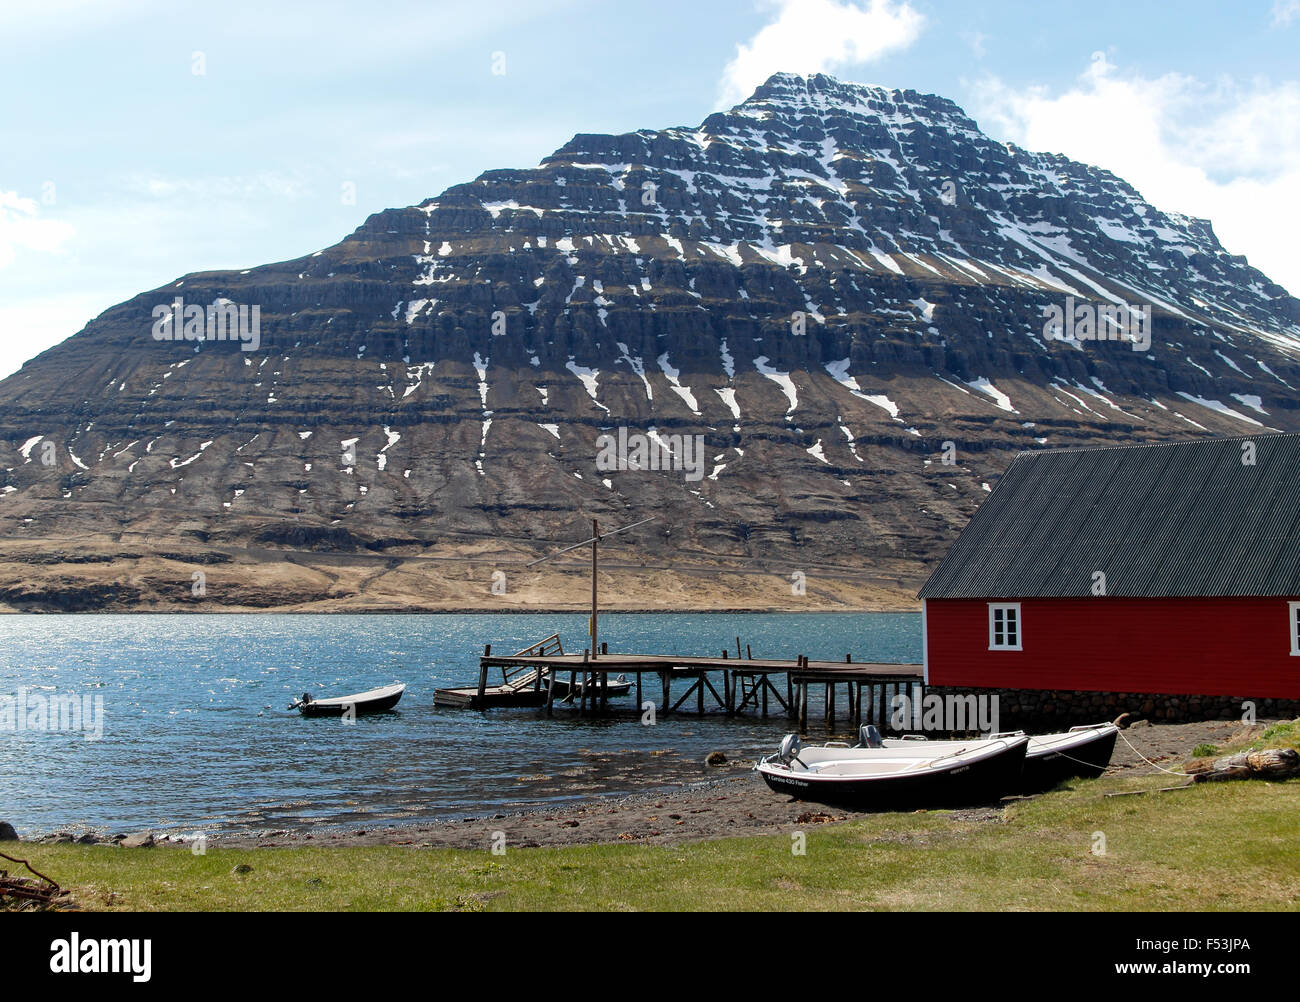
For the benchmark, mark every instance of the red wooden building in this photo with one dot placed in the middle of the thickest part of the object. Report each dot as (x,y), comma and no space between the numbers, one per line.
(1152,569)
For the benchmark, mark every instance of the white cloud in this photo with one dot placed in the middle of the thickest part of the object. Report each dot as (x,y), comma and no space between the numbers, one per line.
(1228,152)
(1284,12)
(818,36)
(21,228)
(977,41)
(72,15)
(29,327)
(264,184)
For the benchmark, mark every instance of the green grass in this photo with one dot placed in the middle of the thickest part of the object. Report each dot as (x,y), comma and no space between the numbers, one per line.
(1285,734)
(1213,846)
(1282,735)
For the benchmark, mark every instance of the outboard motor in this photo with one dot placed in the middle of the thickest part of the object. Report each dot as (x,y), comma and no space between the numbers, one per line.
(789,750)
(869,737)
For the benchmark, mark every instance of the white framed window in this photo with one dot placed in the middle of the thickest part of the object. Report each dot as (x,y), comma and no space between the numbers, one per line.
(1293,610)
(1004,626)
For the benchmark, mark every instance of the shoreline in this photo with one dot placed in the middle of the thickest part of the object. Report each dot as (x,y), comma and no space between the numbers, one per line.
(735,802)
(715,808)
(98,575)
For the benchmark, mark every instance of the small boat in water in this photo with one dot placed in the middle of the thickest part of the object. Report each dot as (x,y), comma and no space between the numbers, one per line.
(881,778)
(614,687)
(375,701)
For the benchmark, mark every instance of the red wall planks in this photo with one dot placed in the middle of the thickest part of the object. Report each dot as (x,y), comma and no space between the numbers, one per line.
(1184,646)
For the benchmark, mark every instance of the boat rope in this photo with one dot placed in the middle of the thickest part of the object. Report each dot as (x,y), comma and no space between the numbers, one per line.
(1185,775)
(929,763)
(1077,761)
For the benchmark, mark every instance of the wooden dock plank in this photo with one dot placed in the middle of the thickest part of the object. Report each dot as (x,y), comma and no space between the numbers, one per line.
(625,663)
(547,659)
(469,697)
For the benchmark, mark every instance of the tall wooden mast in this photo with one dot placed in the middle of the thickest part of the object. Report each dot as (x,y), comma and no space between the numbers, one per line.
(595,539)
(595,542)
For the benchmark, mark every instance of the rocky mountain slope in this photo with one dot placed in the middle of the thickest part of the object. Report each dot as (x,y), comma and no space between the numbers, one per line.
(846,290)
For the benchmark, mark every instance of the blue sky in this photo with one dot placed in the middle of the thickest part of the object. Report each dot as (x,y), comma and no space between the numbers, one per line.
(143,139)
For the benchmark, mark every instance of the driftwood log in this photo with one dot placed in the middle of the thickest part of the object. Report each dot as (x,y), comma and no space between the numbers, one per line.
(1274,763)
(21,893)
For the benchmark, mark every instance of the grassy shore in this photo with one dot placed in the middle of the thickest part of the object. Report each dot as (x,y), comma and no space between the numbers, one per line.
(1284,734)
(1213,846)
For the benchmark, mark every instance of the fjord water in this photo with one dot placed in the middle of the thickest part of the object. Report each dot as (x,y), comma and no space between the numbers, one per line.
(197,738)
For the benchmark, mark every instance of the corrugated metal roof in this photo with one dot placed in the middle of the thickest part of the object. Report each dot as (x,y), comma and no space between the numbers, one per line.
(1176,519)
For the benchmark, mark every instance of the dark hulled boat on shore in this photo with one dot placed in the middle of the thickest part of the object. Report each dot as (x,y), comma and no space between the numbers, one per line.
(1082,752)
(885,778)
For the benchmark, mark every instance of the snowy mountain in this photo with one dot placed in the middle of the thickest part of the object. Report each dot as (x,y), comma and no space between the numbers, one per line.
(863,304)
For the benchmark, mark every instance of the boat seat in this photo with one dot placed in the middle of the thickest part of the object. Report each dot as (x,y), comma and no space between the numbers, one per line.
(869,737)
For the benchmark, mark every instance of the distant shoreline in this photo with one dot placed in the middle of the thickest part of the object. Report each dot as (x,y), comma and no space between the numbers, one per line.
(96,575)
(464,611)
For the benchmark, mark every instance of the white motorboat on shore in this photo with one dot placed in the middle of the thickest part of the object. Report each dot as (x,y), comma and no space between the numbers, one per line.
(880,778)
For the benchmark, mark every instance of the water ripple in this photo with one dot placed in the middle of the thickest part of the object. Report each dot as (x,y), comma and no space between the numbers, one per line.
(196,736)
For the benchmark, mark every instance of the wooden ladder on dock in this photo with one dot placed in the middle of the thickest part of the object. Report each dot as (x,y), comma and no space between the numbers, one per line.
(522,677)
(755,687)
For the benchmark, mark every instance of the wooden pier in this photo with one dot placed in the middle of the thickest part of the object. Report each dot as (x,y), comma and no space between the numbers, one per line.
(522,684)
(728,684)
(538,674)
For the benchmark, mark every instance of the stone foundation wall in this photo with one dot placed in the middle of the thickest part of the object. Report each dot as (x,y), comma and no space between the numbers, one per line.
(1045,710)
